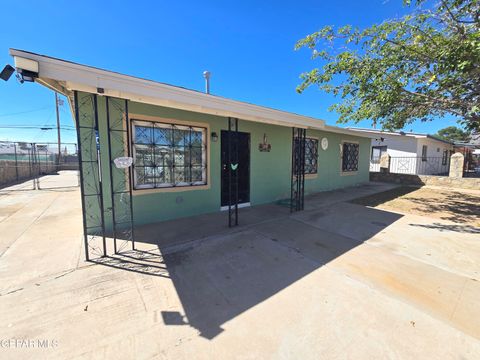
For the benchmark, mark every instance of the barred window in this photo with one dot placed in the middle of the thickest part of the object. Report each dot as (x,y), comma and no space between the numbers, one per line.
(424,153)
(311,156)
(445,157)
(350,152)
(168,155)
(377,152)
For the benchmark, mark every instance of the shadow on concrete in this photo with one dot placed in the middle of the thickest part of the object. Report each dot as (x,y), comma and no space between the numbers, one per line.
(220,272)
(384,196)
(138,261)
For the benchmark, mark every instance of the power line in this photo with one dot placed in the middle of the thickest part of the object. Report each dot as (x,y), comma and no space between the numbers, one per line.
(25,112)
(48,127)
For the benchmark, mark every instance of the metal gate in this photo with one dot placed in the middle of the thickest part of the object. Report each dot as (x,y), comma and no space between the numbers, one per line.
(232,156)
(30,166)
(57,166)
(298,170)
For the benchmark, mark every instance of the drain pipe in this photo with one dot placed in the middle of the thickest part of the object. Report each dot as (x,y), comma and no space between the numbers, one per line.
(206,75)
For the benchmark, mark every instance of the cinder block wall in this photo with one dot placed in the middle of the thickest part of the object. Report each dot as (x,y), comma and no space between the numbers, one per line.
(405,179)
(8,171)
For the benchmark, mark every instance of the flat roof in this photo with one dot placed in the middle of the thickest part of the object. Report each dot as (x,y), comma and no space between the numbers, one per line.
(399,133)
(66,77)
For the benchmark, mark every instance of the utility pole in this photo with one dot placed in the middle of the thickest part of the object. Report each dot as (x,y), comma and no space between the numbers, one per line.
(58,128)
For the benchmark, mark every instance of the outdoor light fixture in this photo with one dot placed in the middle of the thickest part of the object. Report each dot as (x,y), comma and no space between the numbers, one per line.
(214,136)
(27,75)
(264,146)
(26,69)
(7,71)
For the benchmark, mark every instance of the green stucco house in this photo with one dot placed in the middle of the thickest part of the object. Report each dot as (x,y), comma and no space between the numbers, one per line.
(151,152)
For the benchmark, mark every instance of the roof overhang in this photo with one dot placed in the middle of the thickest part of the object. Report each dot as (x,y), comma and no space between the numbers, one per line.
(345,131)
(376,133)
(67,77)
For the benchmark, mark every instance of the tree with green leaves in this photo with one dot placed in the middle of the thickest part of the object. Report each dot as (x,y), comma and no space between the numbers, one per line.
(419,67)
(453,133)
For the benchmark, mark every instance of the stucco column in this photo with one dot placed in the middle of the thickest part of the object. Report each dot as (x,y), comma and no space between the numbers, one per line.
(456,165)
(385,163)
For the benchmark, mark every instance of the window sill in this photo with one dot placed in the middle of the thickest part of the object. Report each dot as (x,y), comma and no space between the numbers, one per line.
(311,176)
(169,189)
(348,173)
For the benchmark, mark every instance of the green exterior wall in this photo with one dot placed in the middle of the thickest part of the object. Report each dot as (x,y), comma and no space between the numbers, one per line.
(329,163)
(269,171)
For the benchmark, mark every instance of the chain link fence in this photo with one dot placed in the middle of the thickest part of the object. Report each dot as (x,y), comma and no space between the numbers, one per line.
(29,166)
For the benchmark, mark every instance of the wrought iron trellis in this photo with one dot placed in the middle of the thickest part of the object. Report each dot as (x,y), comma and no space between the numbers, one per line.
(86,116)
(118,124)
(233,158)
(297,193)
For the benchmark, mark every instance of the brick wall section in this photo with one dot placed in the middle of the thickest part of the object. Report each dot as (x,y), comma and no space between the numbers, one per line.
(405,179)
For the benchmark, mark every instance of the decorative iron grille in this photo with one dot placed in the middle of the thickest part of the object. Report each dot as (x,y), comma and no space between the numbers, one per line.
(298,170)
(311,156)
(168,155)
(86,115)
(350,152)
(120,178)
(233,181)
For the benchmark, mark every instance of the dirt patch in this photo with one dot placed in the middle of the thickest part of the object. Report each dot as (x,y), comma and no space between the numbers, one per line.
(459,206)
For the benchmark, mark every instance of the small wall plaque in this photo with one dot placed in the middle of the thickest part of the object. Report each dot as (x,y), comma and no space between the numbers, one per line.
(324,143)
(264,146)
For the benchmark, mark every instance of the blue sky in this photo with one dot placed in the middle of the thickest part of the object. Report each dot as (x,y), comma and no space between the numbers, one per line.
(247,45)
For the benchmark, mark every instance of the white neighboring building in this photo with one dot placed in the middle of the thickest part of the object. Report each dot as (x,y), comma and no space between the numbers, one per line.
(411,153)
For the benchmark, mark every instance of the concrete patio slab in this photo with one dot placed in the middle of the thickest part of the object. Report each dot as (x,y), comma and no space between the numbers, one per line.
(350,220)
(453,248)
(280,286)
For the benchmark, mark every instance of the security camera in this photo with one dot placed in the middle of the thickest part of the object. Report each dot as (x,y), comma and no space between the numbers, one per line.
(7,71)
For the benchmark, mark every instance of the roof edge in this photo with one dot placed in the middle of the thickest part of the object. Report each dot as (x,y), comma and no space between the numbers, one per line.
(397,133)
(74,76)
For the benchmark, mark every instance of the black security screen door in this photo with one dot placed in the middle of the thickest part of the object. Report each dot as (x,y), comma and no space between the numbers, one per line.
(243,167)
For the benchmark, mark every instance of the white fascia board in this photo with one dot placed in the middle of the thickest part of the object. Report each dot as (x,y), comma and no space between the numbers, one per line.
(339,130)
(380,132)
(86,78)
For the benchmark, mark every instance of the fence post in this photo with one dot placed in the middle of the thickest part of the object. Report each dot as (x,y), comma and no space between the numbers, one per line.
(385,163)
(456,165)
(16,161)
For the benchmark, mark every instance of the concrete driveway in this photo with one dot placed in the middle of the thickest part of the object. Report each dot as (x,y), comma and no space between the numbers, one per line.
(339,280)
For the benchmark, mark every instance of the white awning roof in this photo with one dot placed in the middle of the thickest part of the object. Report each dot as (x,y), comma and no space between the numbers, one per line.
(65,77)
